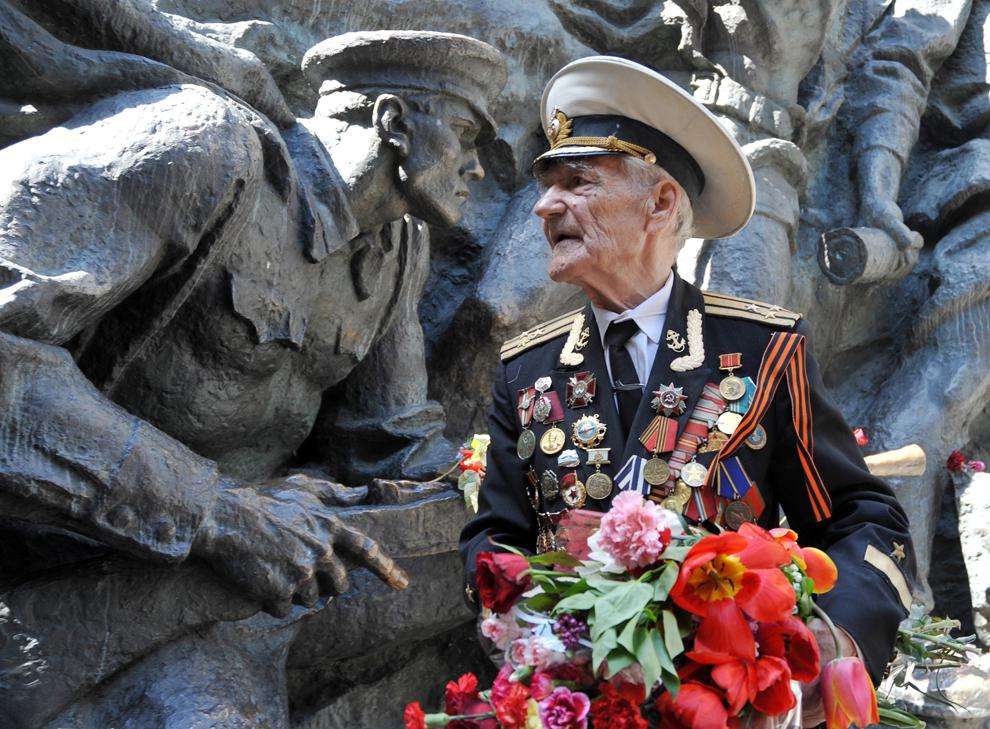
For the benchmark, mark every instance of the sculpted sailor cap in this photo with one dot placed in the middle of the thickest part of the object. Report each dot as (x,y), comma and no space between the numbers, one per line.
(417,60)
(606,105)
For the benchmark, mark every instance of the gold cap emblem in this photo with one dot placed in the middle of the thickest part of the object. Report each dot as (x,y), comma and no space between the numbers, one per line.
(558,127)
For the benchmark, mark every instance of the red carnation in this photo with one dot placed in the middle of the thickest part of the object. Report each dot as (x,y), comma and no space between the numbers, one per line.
(414,717)
(618,707)
(501,578)
(509,699)
(460,693)
(956,462)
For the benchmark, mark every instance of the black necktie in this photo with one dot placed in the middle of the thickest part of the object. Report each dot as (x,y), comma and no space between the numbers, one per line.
(625,381)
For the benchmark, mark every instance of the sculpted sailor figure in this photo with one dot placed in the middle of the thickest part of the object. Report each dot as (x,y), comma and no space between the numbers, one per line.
(707,404)
(180,287)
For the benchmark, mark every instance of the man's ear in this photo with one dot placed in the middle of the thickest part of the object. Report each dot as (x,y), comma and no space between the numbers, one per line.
(390,117)
(664,202)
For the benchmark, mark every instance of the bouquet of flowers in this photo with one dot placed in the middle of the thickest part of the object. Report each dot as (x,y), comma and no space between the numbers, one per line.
(640,621)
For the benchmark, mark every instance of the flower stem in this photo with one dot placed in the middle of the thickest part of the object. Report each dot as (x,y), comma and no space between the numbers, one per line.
(831,626)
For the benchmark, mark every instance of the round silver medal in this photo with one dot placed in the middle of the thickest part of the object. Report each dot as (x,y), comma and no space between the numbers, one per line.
(694,474)
(526,445)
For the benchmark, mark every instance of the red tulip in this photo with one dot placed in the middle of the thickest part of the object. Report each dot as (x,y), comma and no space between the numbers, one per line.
(848,694)
(793,641)
(696,707)
(501,577)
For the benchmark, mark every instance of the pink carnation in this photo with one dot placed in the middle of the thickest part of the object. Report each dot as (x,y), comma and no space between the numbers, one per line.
(501,629)
(540,652)
(635,531)
(565,709)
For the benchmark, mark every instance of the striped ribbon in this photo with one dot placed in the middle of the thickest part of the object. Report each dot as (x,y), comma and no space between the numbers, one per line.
(709,406)
(785,355)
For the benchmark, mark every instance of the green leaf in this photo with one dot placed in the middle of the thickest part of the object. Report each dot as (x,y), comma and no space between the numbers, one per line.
(603,584)
(672,634)
(541,603)
(549,558)
(627,634)
(647,655)
(576,588)
(620,604)
(618,659)
(676,552)
(663,585)
(581,601)
(892,716)
(601,647)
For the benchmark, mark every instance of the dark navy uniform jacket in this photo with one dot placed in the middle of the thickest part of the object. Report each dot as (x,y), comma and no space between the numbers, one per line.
(871,596)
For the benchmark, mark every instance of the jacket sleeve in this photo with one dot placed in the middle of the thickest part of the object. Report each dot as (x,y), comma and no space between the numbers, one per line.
(872,595)
(888,88)
(505,514)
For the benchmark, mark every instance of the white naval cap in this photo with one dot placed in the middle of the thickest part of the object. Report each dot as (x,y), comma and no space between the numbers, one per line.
(607,105)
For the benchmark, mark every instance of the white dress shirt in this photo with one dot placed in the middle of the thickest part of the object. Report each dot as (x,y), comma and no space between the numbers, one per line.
(650,316)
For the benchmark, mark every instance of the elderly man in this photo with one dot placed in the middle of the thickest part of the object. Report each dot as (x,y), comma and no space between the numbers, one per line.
(657,387)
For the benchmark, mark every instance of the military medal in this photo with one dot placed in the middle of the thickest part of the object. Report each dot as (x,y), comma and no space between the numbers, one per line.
(669,399)
(572,491)
(716,439)
(548,485)
(694,474)
(598,485)
(737,513)
(731,387)
(660,435)
(581,390)
(656,472)
(728,422)
(733,481)
(526,445)
(679,499)
(543,406)
(588,431)
(758,438)
(741,405)
(553,440)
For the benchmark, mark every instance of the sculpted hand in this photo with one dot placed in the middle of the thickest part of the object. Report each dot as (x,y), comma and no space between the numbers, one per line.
(879,181)
(279,542)
(812,708)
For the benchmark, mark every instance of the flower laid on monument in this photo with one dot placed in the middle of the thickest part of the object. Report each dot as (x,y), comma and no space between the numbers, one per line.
(862,439)
(473,458)
(958,462)
(639,617)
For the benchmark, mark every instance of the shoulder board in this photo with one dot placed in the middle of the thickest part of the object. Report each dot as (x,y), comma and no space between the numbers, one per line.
(546,331)
(732,306)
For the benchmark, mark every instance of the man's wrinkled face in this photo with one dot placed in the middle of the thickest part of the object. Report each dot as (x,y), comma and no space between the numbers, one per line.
(594,218)
(442,159)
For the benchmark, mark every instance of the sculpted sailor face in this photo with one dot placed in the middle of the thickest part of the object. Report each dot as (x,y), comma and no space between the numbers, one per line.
(403,124)
(434,141)
(614,225)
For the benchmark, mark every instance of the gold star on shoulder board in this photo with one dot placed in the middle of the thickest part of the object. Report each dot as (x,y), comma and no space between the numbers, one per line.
(898,552)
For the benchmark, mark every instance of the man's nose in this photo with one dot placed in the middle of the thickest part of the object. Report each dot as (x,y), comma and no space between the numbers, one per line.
(472,168)
(550,203)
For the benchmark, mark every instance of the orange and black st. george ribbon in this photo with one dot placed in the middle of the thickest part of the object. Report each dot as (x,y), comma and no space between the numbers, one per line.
(784,356)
